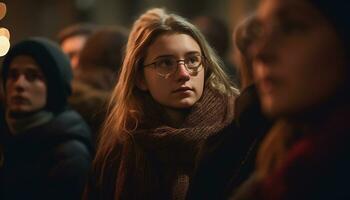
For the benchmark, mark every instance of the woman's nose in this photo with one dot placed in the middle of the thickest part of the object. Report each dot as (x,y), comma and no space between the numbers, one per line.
(182,73)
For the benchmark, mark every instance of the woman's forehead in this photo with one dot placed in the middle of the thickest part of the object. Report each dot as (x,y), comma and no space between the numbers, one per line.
(171,44)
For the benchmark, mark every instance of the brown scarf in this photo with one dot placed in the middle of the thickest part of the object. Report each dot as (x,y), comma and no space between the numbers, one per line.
(175,148)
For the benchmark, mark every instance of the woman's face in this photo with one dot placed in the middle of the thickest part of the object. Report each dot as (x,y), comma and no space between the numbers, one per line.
(298,59)
(181,89)
(25,86)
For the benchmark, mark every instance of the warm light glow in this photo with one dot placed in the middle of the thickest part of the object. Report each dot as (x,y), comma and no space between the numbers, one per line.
(4,45)
(5,32)
(2,10)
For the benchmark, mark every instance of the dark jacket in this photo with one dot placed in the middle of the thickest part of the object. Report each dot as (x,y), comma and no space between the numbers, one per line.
(228,158)
(46,162)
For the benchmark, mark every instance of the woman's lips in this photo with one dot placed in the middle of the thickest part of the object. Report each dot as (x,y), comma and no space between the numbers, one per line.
(182,89)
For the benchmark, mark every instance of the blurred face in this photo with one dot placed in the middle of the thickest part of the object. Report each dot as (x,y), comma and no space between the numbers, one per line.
(25,86)
(298,60)
(72,46)
(181,89)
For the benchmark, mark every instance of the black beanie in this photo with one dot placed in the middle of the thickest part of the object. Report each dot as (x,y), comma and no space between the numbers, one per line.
(338,13)
(54,64)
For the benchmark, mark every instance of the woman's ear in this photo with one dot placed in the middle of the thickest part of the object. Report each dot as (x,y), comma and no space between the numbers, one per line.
(141,82)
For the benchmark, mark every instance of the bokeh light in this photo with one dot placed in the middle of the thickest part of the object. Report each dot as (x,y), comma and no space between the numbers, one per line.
(5,32)
(4,45)
(2,10)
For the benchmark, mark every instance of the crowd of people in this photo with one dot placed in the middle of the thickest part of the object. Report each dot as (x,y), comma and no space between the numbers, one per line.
(159,112)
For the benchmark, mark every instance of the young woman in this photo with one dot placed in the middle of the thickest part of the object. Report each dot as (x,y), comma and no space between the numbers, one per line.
(300,64)
(171,95)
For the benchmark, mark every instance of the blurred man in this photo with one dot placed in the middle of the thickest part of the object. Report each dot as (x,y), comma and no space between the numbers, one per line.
(72,39)
(46,147)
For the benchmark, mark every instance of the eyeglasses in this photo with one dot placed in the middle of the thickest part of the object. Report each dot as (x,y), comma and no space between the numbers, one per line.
(168,65)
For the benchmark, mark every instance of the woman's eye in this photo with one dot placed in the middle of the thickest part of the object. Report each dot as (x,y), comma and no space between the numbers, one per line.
(165,63)
(193,60)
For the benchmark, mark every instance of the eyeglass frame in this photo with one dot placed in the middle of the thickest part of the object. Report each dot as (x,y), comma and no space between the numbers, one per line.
(177,64)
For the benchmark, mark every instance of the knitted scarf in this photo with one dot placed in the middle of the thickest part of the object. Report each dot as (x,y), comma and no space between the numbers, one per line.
(171,151)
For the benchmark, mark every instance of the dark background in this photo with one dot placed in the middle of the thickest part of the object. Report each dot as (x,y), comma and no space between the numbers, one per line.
(26,18)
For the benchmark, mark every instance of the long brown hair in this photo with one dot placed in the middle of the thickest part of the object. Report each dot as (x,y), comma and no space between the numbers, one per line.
(125,111)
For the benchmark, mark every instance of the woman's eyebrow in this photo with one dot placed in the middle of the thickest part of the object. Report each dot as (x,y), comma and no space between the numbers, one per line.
(193,52)
(163,56)
(170,55)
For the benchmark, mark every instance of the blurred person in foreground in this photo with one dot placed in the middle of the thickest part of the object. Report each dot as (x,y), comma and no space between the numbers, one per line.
(301,66)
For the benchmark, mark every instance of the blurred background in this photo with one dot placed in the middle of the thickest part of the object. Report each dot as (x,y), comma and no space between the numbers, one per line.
(20,19)
(26,18)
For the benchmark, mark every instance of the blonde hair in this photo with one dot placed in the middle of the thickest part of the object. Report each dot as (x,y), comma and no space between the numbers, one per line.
(125,109)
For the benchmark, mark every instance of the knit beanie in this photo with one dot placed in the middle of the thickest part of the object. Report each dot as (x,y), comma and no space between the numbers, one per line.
(338,12)
(54,64)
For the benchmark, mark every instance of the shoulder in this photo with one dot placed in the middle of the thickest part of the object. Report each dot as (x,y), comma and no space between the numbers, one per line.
(71,123)
(68,129)
(69,118)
